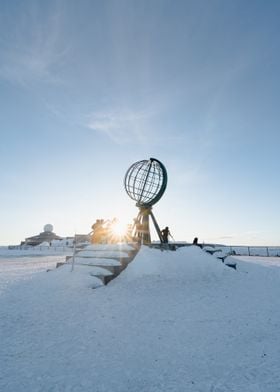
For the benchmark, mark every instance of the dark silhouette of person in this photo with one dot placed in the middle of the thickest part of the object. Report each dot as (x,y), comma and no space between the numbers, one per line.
(165,233)
(195,241)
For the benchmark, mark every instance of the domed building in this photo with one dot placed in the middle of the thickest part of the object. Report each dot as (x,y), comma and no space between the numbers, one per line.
(46,236)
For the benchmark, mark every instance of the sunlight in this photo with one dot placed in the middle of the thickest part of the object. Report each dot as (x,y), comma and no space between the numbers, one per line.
(119,229)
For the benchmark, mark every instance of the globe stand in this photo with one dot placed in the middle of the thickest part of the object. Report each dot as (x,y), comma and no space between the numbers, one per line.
(145,182)
(141,228)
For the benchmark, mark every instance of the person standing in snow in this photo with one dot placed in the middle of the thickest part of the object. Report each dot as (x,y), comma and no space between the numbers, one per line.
(165,233)
(195,241)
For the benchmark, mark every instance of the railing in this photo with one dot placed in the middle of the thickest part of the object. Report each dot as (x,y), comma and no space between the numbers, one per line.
(268,251)
(40,248)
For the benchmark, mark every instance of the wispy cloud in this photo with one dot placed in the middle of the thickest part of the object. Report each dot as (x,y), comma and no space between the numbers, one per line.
(34,49)
(123,125)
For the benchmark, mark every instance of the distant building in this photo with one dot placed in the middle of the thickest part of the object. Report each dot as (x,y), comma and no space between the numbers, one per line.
(82,238)
(46,236)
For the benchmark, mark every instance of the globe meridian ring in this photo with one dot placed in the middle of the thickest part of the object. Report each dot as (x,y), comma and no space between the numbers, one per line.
(145,182)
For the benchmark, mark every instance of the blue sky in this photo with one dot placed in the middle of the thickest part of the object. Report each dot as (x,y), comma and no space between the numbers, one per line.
(89,87)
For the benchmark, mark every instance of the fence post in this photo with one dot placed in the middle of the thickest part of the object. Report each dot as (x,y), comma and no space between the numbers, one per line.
(249,250)
(74,253)
(267,252)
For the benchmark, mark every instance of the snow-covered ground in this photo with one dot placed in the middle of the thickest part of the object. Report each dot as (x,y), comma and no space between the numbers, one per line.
(172,321)
(265,261)
(251,250)
(34,251)
(18,264)
(17,269)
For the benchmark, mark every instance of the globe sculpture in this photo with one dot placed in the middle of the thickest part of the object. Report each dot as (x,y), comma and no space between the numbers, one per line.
(145,182)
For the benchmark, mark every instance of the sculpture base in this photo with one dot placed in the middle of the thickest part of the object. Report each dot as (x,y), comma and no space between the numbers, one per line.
(141,227)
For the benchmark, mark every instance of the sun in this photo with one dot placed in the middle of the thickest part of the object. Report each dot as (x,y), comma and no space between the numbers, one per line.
(119,229)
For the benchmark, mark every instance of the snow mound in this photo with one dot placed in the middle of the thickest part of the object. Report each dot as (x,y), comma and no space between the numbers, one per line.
(94,261)
(103,253)
(98,271)
(122,247)
(187,263)
(78,280)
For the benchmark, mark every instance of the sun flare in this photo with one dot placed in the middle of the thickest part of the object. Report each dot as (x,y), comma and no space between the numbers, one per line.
(119,229)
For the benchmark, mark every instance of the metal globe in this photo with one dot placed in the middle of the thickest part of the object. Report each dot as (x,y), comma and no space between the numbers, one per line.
(145,182)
